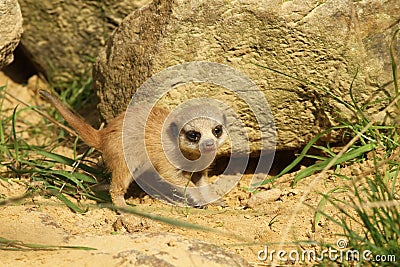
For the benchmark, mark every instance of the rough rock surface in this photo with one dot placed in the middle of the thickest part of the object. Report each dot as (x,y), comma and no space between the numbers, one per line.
(10,30)
(322,42)
(62,37)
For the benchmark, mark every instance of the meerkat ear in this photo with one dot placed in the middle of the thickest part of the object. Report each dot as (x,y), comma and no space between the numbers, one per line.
(173,130)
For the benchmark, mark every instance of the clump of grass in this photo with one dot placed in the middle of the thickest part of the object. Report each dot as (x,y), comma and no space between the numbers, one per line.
(375,205)
(47,169)
(76,91)
(383,136)
(370,221)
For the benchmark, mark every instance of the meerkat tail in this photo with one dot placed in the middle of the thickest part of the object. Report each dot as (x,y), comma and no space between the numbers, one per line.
(90,135)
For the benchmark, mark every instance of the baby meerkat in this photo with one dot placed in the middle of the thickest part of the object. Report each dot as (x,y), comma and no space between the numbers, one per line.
(138,144)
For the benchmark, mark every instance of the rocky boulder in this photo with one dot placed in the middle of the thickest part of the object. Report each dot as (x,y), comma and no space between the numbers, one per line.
(314,50)
(62,37)
(10,30)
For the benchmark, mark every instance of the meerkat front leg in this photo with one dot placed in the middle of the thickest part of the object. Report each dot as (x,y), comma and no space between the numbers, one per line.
(200,180)
(120,181)
(117,191)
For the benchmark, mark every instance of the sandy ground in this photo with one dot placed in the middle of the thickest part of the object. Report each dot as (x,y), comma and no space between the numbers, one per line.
(241,228)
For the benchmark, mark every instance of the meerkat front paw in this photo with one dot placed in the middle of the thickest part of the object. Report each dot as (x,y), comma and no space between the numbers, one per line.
(219,203)
(130,224)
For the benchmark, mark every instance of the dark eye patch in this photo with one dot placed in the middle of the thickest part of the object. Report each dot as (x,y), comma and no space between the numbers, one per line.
(193,136)
(217,131)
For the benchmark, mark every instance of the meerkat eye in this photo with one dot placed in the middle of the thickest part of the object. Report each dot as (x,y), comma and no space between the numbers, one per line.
(193,136)
(217,131)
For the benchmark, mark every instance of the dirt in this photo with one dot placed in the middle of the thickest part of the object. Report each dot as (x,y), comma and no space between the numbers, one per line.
(243,228)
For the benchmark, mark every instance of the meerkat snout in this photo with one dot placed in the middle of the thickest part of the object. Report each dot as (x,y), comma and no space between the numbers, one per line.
(208,146)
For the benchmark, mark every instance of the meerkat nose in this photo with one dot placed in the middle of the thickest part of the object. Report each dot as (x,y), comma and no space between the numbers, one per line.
(209,142)
(207,145)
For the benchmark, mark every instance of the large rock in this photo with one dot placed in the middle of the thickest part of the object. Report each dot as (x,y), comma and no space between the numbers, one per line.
(62,37)
(10,30)
(326,43)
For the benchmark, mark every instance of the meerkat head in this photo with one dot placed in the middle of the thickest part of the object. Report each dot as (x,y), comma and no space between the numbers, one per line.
(203,133)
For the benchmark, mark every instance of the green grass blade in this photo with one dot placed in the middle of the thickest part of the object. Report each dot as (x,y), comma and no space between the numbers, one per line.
(14,133)
(66,201)
(180,223)
(67,161)
(346,157)
(7,244)
(301,156)
(356,106)
(322,203)
(394,64)
(2,97)
(74,177)
(327,150)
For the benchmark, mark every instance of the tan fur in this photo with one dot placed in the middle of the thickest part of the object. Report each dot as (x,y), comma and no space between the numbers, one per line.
(110,142)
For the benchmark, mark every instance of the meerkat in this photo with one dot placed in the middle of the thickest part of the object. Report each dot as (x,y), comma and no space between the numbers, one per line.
(180,152)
